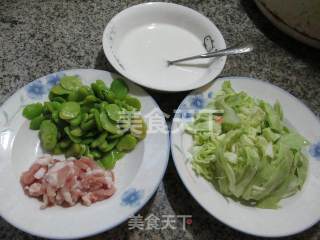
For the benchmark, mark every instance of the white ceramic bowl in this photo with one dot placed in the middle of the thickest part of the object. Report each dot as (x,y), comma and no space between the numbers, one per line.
(137,175)
(139,40)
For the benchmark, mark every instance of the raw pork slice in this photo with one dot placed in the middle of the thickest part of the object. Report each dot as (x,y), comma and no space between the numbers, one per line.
(67,182)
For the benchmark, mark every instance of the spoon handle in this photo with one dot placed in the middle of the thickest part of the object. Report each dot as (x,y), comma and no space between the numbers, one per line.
(243,48)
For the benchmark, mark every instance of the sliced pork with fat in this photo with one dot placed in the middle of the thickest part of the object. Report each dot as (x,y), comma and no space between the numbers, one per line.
(67,182)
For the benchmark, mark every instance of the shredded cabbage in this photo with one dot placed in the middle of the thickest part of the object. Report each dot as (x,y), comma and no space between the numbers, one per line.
(242,146)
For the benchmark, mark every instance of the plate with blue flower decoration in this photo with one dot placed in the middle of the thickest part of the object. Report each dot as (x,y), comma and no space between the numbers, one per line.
(297,212)
(137,175)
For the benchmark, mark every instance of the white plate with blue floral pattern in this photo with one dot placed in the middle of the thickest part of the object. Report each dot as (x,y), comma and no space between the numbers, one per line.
(298,212)
(137,175)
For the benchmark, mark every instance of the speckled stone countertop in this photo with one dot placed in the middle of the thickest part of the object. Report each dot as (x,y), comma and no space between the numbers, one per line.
(41,37)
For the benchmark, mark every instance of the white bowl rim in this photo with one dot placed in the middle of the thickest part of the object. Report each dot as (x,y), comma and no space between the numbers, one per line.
(115,64)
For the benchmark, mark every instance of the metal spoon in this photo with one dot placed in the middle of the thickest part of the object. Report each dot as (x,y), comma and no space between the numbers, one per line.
(242,48)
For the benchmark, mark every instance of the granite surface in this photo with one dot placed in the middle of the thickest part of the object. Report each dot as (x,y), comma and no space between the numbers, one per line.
(38,37)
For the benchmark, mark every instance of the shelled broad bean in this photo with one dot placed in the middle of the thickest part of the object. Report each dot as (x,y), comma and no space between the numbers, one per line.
(96,121)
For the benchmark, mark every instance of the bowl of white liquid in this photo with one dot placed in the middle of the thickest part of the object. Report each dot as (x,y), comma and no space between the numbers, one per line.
(140,40)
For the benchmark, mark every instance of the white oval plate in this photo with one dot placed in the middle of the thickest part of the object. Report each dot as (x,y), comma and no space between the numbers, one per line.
(138,174)
(298,212)
(139,40)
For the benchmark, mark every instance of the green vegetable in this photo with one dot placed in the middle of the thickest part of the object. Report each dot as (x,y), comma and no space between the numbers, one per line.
(107,124)
(64,143)
(77,132)
(76,150)
(108,95)
(107,146)
(127,143)
(36,122)
(84,91)
(89,125)
(98,88)
(77,120)
(134,102)
(71,136)
(114,112)
(88,121)
(96,154)
(97,119)
(138,127)
(109,160)
(91,99)
(69,110)
(119,88)
(58,99)
(248,154)
(70,83)
(87,141)
(57,150)
(58,90)
(99,140)
(74,96)
(230,119)
(48,135)
(32,110)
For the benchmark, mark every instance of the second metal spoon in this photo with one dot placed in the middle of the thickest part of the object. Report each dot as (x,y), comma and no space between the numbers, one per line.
(243,48)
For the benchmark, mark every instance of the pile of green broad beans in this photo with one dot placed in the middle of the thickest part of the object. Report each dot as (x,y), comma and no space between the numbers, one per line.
(96,121)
